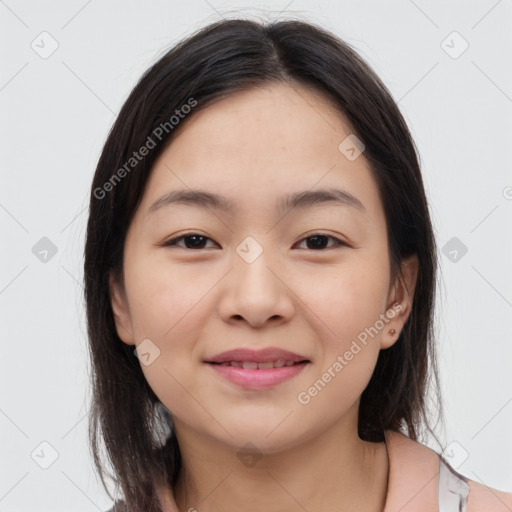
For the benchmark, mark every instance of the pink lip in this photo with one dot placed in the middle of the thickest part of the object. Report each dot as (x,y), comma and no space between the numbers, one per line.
(259,356)
(258,379)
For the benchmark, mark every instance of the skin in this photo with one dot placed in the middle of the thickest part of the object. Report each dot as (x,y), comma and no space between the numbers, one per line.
(194,303)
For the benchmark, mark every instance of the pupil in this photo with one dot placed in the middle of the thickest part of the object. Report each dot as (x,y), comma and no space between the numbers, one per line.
(198,240)
(319,241)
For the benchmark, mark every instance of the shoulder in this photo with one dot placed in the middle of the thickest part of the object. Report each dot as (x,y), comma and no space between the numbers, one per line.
(422,480)
(488,499)
(456,489)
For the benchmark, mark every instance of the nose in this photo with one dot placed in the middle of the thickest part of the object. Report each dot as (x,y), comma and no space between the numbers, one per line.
(257,291)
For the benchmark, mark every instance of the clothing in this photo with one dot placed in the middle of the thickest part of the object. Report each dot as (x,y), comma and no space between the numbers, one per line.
(420,480)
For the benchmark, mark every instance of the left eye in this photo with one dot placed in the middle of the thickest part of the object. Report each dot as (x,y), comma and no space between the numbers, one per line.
(316,241)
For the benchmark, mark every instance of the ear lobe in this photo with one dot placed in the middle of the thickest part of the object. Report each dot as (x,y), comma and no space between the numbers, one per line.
(121,311)
(400,300)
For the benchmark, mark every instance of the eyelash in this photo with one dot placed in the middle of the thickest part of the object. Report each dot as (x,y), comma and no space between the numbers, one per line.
(173,241)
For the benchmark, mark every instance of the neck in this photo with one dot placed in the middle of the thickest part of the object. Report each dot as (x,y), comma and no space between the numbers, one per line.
(334,471)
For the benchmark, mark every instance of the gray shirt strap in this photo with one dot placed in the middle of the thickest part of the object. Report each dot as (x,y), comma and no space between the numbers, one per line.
(453,489)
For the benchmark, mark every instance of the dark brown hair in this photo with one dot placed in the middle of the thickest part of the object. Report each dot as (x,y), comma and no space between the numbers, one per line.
(220,59)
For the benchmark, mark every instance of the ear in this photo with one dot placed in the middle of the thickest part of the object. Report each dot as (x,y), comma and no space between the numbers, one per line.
(121,311)
(400,299)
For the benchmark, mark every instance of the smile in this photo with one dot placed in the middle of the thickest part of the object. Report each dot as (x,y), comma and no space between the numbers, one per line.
(253,375)
(252,365)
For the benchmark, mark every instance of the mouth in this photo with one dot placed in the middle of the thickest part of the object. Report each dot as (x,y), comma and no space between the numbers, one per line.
(257,369)
(254,365)
(255,376)
(240,356)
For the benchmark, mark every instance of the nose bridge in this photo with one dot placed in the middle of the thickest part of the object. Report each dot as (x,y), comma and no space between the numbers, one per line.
(255,293)
(252,261)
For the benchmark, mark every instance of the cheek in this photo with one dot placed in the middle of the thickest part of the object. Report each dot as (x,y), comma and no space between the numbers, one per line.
(348,302)
(347,298)
(169,306)
(349,307)
(166,299)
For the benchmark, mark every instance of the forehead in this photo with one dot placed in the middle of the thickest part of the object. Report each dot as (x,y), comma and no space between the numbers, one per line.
(258,145)
(275,121)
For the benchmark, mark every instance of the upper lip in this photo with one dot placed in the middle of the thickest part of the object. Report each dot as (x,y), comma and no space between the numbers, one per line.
(258,356)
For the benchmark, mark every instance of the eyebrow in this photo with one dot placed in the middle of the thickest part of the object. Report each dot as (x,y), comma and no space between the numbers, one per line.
(296,201)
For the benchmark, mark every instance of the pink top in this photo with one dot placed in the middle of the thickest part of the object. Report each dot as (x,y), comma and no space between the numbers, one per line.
(419,481)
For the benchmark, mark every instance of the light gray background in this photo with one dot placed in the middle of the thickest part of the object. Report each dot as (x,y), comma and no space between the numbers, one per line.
(56,113)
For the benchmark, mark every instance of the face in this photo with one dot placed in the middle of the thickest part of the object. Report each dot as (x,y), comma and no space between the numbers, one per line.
(253,271)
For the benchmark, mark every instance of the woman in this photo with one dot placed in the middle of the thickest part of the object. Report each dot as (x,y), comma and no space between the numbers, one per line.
(287,374)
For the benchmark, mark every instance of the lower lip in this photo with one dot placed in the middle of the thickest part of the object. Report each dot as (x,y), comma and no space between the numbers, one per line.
(258,379)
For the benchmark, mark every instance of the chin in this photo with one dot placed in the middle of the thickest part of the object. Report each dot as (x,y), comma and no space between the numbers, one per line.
(263,439)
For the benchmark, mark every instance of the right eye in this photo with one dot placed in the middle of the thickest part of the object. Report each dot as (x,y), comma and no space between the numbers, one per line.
(191,241)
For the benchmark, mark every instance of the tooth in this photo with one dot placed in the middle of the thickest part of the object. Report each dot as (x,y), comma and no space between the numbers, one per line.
(270,364)
(279,363)
(236,363)
(289,363)
(250,365)
(226,363)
